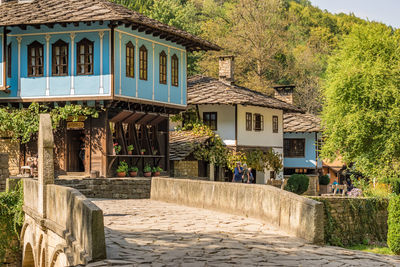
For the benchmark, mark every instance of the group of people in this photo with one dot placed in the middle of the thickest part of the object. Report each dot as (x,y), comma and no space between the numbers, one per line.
(242,174)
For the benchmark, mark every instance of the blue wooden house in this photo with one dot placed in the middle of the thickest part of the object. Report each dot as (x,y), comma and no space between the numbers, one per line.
(99,54)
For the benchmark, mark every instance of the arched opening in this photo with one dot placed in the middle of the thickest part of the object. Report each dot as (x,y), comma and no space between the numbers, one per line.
(28,260)
(59,259)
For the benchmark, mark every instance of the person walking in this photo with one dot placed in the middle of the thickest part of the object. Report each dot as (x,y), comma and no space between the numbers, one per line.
(246,174)
(237,173)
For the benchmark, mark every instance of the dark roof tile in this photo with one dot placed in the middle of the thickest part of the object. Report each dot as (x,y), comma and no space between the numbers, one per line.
(207,90)
(181,143)
(301,123)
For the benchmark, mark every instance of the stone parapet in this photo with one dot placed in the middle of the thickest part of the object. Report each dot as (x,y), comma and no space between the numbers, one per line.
(296,215)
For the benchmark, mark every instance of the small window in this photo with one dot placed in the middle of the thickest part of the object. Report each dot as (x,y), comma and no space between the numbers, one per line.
(60,58)
(163,68)
(175,70)
(258,122)
(275,124)
(9,53)
(210,119)
(272,175)
(294,148)
(130,60)
(35,59)
(85,57)
(143,63)
(249,121)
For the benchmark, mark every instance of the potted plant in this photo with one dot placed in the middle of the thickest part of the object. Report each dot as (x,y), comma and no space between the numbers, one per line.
(147,171)
(117,149)
(133,171)
(323,184)
(122,169)
(142,151)
(130,149)
(155,151)
(156,171)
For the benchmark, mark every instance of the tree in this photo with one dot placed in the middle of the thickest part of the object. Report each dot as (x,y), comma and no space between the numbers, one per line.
(361,116)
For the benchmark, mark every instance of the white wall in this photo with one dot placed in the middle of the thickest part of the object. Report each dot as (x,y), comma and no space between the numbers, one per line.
(225,121)
(265,138)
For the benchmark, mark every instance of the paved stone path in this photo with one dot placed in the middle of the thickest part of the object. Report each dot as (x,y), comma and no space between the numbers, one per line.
(151,233)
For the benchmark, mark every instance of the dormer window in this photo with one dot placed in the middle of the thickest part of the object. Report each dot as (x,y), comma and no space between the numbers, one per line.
(163,68)
(175,70)
(85,57)
(35,59)
(60,58)
(130,60)
(143,63)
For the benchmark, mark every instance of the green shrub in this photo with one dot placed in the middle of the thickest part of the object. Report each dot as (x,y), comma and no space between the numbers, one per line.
(324,180)
(11,220)
(393,237)
(297,183)
(123,167)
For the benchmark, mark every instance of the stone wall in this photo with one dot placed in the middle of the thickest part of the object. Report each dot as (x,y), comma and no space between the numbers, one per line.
(186,169)
(289,212)
(73,225)
(12,148)
(354,220)
(4,173)
(116,188)
(313,186)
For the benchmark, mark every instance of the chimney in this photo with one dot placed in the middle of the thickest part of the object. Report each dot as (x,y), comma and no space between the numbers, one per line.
(284,93)
(226,69)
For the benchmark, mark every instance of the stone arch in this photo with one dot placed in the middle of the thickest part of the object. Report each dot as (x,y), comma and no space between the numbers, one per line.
(59,258)
(23,230)
(28,259)
(41,249)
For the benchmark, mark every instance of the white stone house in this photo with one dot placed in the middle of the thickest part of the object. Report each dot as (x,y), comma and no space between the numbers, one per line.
(243,118)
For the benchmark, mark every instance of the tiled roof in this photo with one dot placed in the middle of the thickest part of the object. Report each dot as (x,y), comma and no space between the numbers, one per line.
(181,143)
(38,12)
(207,90)
(301,123)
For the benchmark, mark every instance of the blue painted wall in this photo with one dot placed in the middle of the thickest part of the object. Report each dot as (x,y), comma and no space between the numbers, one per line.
(149,89)
(309,161)
(90,85)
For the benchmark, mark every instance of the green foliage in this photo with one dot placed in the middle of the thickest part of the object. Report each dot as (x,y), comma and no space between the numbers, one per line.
(147,168)
(22,124)
(297,183)
(130,148)
(159,169)
(259,160)
(11,220)
(123,167)
(393,237)
(324,179)
(117,149)
(133,169)
(362,112)
(233,157)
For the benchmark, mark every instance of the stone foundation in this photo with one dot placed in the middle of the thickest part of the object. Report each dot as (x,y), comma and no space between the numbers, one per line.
(115,188)
(354,220)
(186,169)
(11,148)
(4,173)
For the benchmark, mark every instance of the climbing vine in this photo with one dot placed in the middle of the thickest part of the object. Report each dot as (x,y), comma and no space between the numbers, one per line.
(11,220)
(355,221)
(21,123)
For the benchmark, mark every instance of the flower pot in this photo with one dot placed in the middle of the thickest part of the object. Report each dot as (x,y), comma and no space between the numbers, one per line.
(129,152)
(141,153)
(156,173)
(147,174)
(121,174)
(132,174)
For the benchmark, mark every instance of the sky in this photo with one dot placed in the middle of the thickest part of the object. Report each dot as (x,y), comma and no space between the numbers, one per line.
(386,11)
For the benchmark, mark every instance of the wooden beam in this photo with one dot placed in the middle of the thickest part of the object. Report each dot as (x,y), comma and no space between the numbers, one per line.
(76,24)
(50,25)
(22,27)
(64,25)
(163,36)
(101,22)
(37,26)
(148,31)
(127,25)
(155,34)
(135,27)
(142,29)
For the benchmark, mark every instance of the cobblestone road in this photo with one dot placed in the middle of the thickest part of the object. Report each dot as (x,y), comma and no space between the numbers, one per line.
(151,233)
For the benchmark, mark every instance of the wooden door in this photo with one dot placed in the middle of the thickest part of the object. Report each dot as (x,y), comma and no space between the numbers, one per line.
(74,147)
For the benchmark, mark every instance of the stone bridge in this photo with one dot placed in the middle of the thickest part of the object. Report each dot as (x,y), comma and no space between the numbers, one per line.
(61,227)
